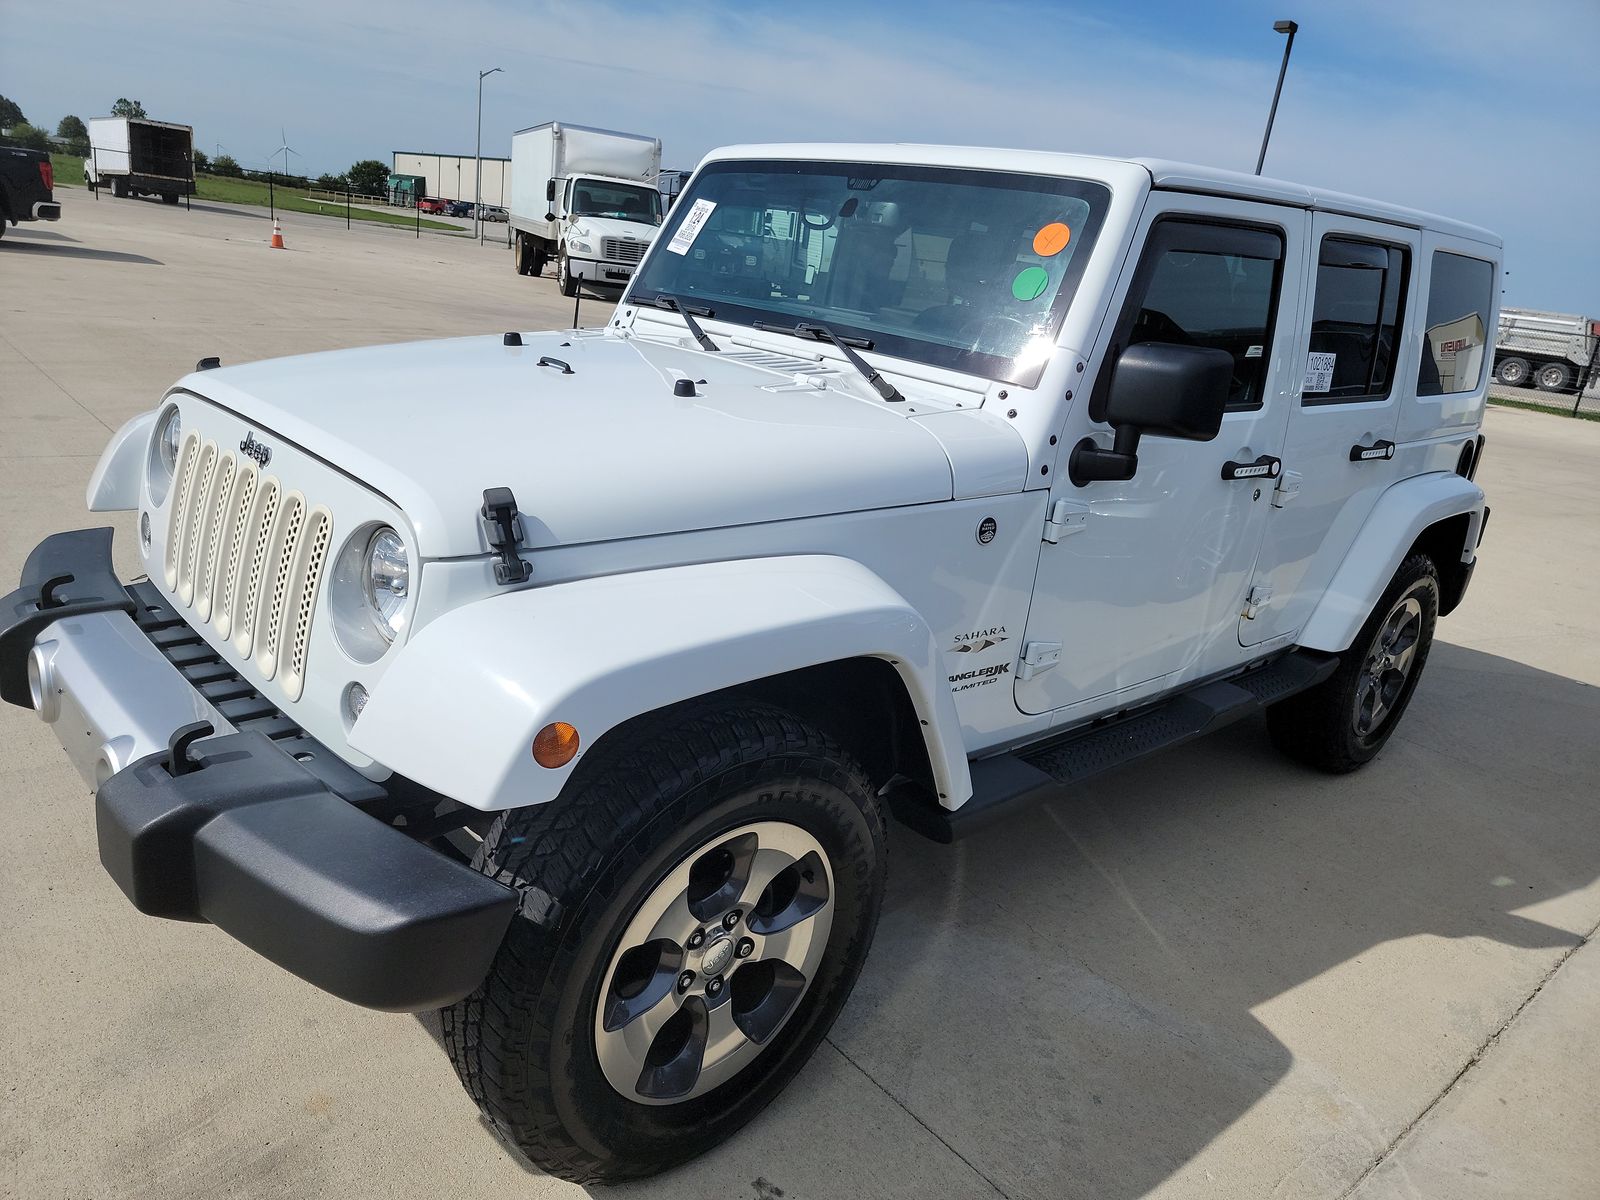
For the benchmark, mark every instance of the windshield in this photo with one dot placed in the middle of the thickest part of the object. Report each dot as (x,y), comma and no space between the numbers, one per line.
(966,269)
(619,201)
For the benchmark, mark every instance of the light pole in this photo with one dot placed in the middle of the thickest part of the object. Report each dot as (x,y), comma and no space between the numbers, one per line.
(1290,28)
(477,161)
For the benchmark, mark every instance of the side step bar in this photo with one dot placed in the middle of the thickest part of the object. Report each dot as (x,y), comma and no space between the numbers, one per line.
(1006,783)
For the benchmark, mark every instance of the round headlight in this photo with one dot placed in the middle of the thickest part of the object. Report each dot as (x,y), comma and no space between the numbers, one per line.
(388,580)
(164,453)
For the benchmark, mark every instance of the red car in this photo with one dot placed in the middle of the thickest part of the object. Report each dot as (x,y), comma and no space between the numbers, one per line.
(430,204)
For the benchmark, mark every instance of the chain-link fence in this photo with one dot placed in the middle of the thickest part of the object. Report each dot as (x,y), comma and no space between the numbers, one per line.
(1548,360)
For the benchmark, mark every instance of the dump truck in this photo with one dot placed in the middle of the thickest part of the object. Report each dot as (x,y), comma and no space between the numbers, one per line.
(134,156)
(1554,352)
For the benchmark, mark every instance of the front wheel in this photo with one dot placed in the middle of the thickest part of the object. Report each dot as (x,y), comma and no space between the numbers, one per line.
(711,886)
(565,280)
(1344,721)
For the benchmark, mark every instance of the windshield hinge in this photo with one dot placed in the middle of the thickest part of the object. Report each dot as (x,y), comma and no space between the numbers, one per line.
(502,527)
(1065,518)
(1287,488)
(1037,658)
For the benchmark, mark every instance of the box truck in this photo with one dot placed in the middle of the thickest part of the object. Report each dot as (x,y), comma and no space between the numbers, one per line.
(586,198)
(138,157)
(1555,352)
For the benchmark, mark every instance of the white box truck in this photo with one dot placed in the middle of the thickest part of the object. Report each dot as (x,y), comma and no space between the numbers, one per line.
(139,157)
(586,198)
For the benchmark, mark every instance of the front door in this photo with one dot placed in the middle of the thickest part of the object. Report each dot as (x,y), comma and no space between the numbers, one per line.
(1355,369)
(1144,586)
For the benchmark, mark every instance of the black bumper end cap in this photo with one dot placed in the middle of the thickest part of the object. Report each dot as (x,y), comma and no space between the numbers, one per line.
(254,843)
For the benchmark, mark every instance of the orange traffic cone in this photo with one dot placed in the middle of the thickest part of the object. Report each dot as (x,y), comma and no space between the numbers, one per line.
(277,237)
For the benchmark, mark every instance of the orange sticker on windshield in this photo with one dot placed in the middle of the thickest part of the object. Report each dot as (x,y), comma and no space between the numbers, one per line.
(1051,240)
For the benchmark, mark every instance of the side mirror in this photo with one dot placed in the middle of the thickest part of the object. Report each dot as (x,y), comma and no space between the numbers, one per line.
(550,189)
(550,216)
(1161,389)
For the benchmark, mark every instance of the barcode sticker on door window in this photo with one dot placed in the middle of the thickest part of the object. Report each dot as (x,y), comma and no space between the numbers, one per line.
(1319,372)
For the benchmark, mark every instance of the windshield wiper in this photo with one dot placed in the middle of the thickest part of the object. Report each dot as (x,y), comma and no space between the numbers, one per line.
(687,311)
(820,332)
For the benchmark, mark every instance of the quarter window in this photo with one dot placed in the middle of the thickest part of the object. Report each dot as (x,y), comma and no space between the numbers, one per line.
(1204,284)
(1460,292)
(1355,321)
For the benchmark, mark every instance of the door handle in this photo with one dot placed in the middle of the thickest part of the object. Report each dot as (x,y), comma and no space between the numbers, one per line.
(1382,448)
(1265,467)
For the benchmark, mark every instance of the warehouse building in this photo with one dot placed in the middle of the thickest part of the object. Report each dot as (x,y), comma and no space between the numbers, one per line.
(450,176)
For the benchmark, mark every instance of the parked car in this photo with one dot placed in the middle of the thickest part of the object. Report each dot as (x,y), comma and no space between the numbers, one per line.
(491,212)
(952,476)
(27,187)
(430,204)
(458,208)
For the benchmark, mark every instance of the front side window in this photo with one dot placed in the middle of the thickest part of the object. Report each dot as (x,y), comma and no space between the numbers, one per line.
(1201,283)
(1355,321)
(971,270)
(1460,293)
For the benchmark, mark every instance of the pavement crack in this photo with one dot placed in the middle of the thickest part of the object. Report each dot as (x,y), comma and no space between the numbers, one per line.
(932,1132)
(1473,1060)
(25,357)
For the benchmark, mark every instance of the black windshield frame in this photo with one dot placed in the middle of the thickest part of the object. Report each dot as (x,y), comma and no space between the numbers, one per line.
(1012,369)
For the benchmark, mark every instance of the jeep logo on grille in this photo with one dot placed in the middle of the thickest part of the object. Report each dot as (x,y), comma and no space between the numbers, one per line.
(259,451)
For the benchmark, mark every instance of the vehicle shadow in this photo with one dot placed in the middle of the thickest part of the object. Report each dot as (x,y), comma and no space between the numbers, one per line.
(26,233)
(1070,1000)
(77,251)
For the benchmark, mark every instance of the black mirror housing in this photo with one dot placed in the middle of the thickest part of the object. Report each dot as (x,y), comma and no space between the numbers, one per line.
(550,190)
(1162,389)
(1167,390)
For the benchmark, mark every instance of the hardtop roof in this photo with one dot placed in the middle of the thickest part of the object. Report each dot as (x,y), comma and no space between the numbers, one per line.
(1160,173)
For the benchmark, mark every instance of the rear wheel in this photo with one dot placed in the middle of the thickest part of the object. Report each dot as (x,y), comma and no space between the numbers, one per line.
(119,188)
(1552,377)
(1513,372)
(1343,722)
(714,882)
(169,197)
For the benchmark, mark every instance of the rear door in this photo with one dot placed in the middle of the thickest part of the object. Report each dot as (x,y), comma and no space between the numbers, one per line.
(1355,368)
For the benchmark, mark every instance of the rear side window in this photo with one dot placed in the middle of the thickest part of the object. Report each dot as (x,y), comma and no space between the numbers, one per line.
(1460,292)
(1205,284)
(1355,321)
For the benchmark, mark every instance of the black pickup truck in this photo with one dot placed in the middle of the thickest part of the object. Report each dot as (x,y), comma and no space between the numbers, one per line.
(26,187)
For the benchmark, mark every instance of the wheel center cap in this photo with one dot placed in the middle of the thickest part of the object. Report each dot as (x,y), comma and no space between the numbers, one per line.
(718,955)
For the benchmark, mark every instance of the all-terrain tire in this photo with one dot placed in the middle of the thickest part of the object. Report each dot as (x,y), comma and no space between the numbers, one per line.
(1322,726)
(524,1044)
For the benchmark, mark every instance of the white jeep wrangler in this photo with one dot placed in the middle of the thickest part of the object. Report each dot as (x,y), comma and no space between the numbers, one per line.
(903,479)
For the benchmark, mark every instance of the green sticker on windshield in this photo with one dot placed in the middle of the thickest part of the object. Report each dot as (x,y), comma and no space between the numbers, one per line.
(1030,283)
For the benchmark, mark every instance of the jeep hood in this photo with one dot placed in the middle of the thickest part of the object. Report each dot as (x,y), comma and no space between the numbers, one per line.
(607,451)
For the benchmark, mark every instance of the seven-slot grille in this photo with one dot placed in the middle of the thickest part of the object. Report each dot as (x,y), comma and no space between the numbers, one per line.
(245,556)
(622,249)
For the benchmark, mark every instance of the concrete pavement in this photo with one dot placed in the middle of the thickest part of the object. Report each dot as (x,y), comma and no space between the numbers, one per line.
(1211,975)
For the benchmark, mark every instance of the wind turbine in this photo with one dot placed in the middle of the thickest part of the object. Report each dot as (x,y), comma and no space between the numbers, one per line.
(285,150)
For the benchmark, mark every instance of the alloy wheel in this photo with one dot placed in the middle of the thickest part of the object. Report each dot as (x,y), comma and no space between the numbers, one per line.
(714,962)
(1388,665)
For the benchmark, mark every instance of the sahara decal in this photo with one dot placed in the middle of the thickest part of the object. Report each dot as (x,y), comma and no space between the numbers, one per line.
(979,640)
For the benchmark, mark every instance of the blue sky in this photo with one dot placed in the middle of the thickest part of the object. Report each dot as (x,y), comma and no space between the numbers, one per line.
(1483,111)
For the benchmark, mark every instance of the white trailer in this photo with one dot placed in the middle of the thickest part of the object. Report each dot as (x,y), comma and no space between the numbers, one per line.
(586,198)
(139,157)
(1556,352)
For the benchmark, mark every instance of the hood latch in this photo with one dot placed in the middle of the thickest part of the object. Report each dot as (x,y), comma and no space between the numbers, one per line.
(502,526)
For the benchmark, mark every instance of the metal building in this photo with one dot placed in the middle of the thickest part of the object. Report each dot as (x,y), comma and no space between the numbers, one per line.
(450,176)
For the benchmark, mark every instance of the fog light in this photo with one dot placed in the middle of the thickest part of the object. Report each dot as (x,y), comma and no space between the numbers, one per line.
(144,529)
(355,699)
(555,745)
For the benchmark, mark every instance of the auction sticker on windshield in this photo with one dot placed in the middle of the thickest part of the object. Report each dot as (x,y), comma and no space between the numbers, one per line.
(699,214)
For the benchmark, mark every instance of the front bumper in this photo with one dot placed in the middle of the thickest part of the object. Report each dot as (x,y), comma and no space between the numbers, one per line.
(600,271)
(254,826)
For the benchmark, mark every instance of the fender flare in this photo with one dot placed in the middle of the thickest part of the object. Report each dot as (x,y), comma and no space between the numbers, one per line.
(1399,518)
(458,708)
(114,485)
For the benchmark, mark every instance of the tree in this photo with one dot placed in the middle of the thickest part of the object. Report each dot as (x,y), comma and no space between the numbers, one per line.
(369,177)
(331,183)
(202,161)
(224,164)
(29,137)
(71,127)
(127,108)
(10,114)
